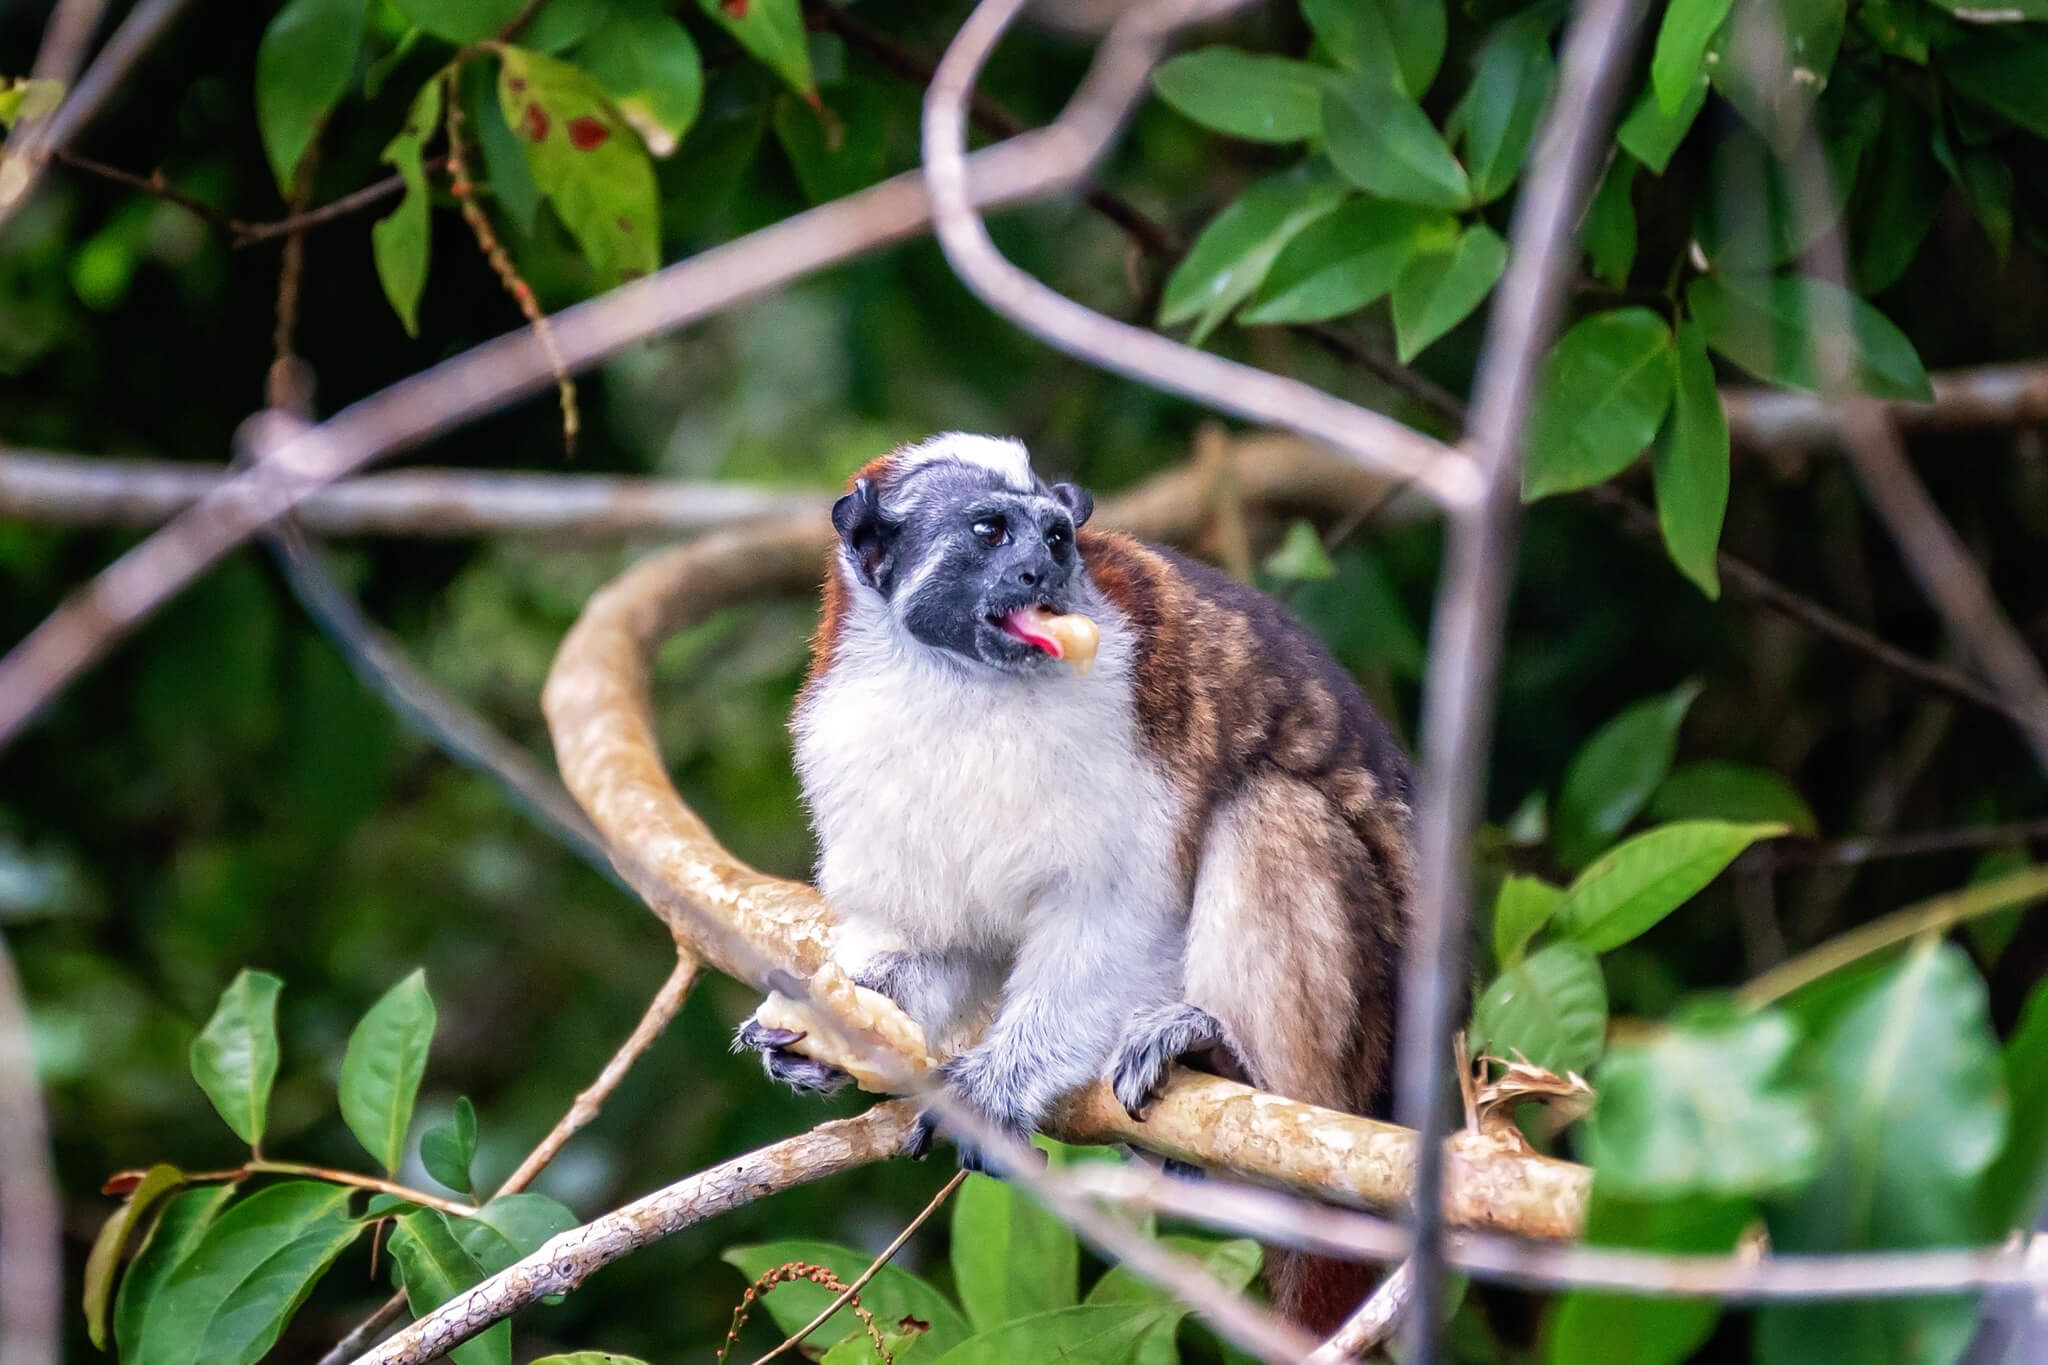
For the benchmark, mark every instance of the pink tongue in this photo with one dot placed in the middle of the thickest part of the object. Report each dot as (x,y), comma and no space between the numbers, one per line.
(1023,623)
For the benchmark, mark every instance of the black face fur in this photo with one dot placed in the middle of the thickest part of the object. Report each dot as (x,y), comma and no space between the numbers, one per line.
(952,548)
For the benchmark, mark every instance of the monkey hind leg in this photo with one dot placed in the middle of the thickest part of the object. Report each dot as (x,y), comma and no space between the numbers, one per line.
(1156,1038)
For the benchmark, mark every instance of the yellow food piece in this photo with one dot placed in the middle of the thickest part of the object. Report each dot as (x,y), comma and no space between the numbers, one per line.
(858,1008)
(1078,637)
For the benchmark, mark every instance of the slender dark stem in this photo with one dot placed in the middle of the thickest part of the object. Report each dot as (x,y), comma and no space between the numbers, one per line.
(1840,852)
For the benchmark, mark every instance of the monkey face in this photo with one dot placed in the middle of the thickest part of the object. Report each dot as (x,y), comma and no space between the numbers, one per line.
(960,554)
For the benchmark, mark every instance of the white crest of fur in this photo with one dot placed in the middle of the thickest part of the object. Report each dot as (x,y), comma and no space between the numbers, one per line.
(1003,456)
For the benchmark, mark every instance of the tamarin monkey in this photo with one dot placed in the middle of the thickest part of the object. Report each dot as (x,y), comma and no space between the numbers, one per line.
(1198,848)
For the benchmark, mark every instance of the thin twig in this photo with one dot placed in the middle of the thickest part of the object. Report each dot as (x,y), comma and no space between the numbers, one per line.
(1878,848)
(32,143)
(454,1207)
(1375,1321)
(795,1338)
(31,1215)
(1466,633)
(153,185)
(1929,916)
(1945,572)
(590,1100)
(1751,582)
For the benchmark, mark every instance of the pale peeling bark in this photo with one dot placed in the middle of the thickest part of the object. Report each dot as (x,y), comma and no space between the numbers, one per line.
(565,1261)
(598,711)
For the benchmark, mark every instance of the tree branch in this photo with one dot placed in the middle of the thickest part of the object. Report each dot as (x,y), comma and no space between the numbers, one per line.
(1375,1321)
(31,1216)
(565,1261)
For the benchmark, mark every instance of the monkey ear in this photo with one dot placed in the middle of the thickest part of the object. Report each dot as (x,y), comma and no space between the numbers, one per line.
(862,529)
(1078,501)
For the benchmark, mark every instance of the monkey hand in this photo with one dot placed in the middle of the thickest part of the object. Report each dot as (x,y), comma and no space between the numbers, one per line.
(974,1084)
(1158,1037)
(785,1065)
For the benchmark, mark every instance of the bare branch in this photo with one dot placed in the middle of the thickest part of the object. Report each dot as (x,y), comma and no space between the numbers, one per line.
(1991,398)
(31,1217)
(1373,1323)
(29,149)
(1284,1220)
(1466,633)
(1879,848)
(1945,571)
(1256,395)
(565,1261)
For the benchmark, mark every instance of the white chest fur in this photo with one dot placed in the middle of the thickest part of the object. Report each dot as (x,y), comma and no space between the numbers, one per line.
(953,805)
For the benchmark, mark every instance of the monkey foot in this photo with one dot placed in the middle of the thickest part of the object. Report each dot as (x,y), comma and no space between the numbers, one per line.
(792,1069)
(1157,1038)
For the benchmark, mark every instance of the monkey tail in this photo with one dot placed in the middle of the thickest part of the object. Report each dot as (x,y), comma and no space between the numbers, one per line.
(1316,1293)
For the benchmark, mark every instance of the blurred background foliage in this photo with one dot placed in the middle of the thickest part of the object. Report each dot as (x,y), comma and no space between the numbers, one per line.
(223,794)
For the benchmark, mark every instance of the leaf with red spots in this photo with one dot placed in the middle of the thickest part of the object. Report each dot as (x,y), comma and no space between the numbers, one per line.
(648,64)
(585,158)
(773,32)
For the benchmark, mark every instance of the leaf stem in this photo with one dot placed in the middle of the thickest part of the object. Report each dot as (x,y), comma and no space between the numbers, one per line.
(1928,917)
(366,1182)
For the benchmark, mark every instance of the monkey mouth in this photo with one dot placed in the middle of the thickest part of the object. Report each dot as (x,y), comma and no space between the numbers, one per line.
(1028,624)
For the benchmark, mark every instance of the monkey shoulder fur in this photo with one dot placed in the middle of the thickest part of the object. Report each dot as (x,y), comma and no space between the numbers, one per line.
(1197,850)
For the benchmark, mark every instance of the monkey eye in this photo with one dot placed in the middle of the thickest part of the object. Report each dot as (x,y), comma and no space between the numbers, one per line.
(1056,537)
(991,531)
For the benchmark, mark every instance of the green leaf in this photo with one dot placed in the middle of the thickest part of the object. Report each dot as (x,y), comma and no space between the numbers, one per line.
(839,147)
(177,1319)
(1772,58)
(382,1066)
(1773,326)
(25,97)
(1347,259)
(1650,135)
(461,21)
(588,1358)
(1520,910)
(1245,95)
(234,1058)
(559,25)
(1987,185)
(1510,88)
(1615,1329)
(432,1267)
(1396,41)
(1704,1108)
(2001,70)
(512,1227)
(1913,1110)
(249,1320)
(506,178)
(1613,774)
(585,159)
(1720,790)
(400,240)
(1550,1009)
(892,1295)
(303,67)
(1011,1258)
(1231,257)
(1689,464)
(1760,212)
(182,1224)
(1609,230)
(1382,142)
(1604,390)
(772,31)
(1437,290)
(2013,1187)
(1084,1334)
(1361,616)
(1637,884)
(648,64)
(1232,1263)
(1679,62)
(447,1149)
(1300,556)
(104,1260)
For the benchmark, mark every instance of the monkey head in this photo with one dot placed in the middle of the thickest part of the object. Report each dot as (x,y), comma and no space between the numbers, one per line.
(958,541)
